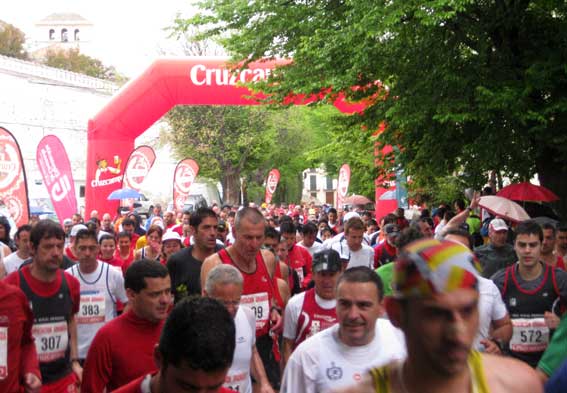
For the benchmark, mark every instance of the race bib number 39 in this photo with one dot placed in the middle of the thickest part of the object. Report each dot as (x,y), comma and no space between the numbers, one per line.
(3,352)
(51,340)
(259,303)
(92,309)
(530,335)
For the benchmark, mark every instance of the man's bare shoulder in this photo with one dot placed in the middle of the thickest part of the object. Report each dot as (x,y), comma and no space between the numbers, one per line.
(505,374)
(212,260)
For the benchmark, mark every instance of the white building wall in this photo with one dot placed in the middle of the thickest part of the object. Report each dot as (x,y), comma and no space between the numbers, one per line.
(37,101)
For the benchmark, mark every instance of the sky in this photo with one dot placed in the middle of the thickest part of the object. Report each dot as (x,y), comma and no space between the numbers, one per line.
(127,34)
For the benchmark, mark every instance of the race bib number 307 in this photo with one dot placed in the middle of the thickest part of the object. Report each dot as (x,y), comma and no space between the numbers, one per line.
(51,340)
(530,335)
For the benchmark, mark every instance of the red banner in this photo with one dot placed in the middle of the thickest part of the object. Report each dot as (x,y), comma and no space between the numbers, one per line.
(55,169)
(272,184)
(185,173)
(13,186)
(138,166)
(342,187)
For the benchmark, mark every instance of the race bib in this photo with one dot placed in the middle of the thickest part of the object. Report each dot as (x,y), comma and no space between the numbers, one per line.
(299,271)
(3,353)
(51,340)
(260,304)
(92,309)
(530,335)
(238,382)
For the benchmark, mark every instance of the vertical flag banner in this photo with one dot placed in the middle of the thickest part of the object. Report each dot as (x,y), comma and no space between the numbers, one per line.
(138,166)
(185,173)
(272,184)
(13,187)
(342,187)
(55,168)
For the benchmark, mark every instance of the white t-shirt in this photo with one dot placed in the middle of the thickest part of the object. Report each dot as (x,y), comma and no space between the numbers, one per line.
(490,308)
(323,362)
(12,262)
(293,309)
(99,292)
(316,247)
(362,257)
(238,376)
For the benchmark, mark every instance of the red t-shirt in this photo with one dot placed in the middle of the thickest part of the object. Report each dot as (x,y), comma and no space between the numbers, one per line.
(560,263)
(70,254)
(300,260)
(135,387)
(125,263)
(48,289)
(121,351)
(113,261)
(16,320)
(384,253)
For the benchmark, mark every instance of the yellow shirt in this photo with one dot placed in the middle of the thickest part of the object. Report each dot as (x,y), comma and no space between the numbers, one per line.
(382,376)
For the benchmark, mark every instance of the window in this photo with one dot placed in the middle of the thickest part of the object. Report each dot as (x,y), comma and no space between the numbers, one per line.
(329,183)
(77,35)
(64,37)
(51,34)
(312,183)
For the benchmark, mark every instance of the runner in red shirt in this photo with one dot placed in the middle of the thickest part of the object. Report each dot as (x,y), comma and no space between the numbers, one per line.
(298,258)
(69,249)
(107,244)
(257,267)
(20,368)
(54,297)
(125,251)
(207,332)
(548,254)
(315,309)
(123,349)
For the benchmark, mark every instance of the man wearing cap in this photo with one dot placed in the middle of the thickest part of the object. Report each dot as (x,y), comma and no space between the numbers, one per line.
(497,254)
(222,231)
(170,244)
(435,304)
(535,295)
(69,249)
(352,249)
(387,251)
(341,354)
(315,309)
(67,226)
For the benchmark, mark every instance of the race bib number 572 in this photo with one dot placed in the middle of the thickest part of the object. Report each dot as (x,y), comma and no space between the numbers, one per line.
(530,335)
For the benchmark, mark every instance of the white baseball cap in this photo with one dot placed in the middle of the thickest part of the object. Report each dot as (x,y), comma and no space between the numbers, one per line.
(76,229)
(498,224)
(170,235)
(350,215)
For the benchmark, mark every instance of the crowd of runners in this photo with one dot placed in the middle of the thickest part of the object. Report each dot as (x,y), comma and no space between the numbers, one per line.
(297,299)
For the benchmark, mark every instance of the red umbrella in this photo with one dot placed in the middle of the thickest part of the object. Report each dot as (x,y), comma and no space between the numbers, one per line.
(357,200)
(527,191)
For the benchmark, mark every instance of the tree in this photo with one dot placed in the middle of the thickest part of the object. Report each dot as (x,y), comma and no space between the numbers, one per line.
(12,41)
(226,141)
(468,86)
(73,60)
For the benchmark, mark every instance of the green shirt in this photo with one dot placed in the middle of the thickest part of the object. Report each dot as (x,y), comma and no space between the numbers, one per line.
(385,272)
(556,351)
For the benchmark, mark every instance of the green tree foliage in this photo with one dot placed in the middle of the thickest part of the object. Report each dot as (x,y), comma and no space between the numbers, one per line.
(73,60)
(471,86)
(12,41)
(226,141)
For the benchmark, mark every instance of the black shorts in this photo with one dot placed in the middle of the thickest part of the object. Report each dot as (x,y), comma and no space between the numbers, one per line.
(264,345)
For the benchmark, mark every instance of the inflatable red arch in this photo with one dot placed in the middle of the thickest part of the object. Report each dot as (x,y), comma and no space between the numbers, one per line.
(144,100)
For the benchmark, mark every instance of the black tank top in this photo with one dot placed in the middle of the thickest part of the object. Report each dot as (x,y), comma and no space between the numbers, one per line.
(526,309)
(50,329)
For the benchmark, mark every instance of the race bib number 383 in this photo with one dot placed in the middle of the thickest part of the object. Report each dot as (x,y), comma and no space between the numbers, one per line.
(530,335)
(92,309)
(51,340)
